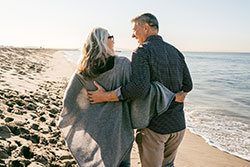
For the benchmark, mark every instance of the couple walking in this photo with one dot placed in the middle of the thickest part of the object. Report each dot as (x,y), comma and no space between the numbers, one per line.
(109,96)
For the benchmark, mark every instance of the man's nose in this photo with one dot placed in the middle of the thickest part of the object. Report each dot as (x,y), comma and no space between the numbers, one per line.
(133,35)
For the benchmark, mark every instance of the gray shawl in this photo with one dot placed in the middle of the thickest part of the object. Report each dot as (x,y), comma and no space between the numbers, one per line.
(100,135)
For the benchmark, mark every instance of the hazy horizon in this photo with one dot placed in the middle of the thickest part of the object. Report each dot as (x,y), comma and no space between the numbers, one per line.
(116,49)
(191,26)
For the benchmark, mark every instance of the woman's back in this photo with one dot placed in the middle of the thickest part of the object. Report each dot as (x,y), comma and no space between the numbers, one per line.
(97,134)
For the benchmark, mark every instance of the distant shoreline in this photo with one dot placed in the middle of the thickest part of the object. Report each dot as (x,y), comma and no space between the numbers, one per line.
(116,49)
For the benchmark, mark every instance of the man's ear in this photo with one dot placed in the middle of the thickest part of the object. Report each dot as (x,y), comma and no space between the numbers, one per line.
(146,27)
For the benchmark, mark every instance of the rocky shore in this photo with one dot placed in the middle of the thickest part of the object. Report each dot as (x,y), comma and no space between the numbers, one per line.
(30,104)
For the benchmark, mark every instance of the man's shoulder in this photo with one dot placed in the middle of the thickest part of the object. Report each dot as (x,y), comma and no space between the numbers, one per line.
(151,44)
(171,48)
(147,45)
(142,49)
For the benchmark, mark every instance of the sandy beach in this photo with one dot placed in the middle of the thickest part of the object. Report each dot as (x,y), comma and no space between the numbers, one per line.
(32,84)
(31,90)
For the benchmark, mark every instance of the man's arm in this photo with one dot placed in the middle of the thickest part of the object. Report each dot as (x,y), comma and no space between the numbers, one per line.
(140,78)
(140,83)
(137,87)
(100,95)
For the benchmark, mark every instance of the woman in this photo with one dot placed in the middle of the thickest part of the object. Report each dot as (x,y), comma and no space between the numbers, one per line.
(102,134)
(99,134)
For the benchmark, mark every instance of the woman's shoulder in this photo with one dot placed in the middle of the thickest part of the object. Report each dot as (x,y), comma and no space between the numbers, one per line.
(121,61)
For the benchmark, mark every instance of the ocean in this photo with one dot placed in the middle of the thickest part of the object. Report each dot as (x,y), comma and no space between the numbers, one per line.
(218,107)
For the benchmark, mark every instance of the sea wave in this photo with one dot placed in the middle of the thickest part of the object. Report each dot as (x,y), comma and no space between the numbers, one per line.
(227,132)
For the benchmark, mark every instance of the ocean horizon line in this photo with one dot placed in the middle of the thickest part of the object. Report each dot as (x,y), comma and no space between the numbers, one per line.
(118,49)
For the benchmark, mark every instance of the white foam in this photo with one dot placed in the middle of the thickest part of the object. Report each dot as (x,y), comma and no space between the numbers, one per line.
(227,133)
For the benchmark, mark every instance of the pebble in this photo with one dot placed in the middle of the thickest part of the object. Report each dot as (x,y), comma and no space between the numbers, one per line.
(3,154)
(31,107)
(26,152)
(16,163)
(5,132)
(42,119)
(14,129)
(9,119)
(35,126)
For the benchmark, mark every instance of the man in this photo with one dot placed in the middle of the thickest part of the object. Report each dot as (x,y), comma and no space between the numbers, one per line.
(154,60)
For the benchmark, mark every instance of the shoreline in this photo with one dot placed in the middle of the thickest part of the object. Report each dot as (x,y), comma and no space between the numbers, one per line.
(194,151)
(46,72)
(217,147)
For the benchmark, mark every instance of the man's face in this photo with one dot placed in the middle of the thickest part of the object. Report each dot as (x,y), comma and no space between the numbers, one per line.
(139,32)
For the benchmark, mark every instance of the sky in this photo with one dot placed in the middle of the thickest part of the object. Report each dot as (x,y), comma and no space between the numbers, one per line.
(189,25)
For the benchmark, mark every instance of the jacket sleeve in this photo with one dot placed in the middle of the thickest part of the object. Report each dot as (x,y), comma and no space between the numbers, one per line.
(140,78)
(187,80)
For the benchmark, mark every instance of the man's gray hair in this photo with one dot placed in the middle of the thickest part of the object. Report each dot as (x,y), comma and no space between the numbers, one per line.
(147,18)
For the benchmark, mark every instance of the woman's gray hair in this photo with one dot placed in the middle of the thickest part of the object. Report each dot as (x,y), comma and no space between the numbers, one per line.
(94,53)
(148,18)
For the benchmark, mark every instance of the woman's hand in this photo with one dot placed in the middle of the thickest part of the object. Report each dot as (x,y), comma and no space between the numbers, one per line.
(180,96)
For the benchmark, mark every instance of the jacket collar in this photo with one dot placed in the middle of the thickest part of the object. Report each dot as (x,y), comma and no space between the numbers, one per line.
(153,37)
